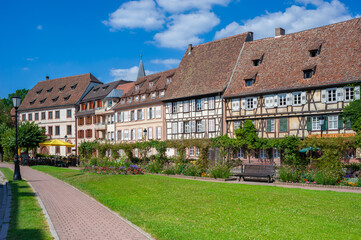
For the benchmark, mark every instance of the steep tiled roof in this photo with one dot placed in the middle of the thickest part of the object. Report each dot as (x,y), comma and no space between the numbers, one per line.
(58,92)
(285,58)
(142,86)
(207,68)
(101,91)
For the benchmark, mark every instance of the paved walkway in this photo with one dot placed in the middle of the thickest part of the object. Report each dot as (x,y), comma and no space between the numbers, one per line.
(5,203)
(74,214)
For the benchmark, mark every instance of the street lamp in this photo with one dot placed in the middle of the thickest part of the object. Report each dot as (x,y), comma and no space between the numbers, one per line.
(322,122)
(66,138)
(16,102)
(145,134)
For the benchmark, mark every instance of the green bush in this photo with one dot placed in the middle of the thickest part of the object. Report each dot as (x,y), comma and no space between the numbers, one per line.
(289,174)
(180,168)
(191,170)
(169,170)
(154,167)
(358,184)
(328,176)
(220,171)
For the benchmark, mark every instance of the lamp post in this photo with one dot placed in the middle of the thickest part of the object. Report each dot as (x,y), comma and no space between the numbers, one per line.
(322,122)
(16,102)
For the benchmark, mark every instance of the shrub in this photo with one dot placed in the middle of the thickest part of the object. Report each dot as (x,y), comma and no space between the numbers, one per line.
(220,171)
(328,176)
(289,174)
(154,167)
(358,183)
(169,170)
(191,170)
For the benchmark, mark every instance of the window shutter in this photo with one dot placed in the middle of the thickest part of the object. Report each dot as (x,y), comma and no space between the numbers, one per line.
(268,125)
(235,104)
(254,102)
(357,92)
(348,124)
(180,127)
(275,100)
(324,126)
(135,115)
(193,126)
(340,122)
(203,125)
(283,125)
(303,98)
(243,104)
(193,104)
(178,106)
(339,93)
(202,103)
(289,99)
(323,95)
(309,123)
(142,114)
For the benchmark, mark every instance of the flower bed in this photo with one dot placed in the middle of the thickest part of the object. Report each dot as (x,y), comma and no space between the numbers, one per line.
(131,170)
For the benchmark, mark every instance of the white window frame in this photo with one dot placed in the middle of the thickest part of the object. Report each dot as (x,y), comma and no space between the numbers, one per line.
(236,102)
(211,103)
(200,125)
(276,153)
(186,106)
(296,98)
(158,112)
(211,125)
(159,132)
(199,105)
(272,125)
(316,124)
(174,127)
(150,133)
(191,151)
(187,127)
(349,93)
(236,125)
(263,153)
(282,100)
(174,107)
(140,133)
(332,122)
(331,93)
(249,103)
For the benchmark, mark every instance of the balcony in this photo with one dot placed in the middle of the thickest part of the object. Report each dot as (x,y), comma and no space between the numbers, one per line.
(100,126)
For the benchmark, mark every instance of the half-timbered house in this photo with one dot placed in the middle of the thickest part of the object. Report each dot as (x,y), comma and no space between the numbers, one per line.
(297,84)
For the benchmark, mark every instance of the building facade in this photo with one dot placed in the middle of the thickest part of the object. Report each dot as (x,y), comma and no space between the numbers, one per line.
(52,104)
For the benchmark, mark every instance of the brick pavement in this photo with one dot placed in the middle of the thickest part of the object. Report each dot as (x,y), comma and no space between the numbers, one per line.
(74,214)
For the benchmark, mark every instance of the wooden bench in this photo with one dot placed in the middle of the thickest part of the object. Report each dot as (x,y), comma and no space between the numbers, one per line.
(257,171)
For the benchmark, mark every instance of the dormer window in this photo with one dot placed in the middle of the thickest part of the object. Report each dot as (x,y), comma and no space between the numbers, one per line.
(161,94)
(169,80)
(32,102)
(95,89)
(315,52)
(136,99)
(153,95)
(38,92)
(123,101)
(62,88)
(67,97)
(105,87)
(129,100)
(151,84)
(249,82)
(257,62)
(55,99)
(74,86)
(137,88)
(308,73)
(42,101)
(49,90)
(143,97)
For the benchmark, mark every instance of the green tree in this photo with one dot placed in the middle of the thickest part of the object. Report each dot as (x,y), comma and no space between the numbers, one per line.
(3,129)
(247,137)
(352,114)
(29,137)
(6,104)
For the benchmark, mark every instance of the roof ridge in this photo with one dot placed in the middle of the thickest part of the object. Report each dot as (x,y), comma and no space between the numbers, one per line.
(222,39)
(50,80)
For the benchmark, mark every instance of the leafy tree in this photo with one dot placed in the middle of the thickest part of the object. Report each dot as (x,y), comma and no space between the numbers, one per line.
(352,113)
(6,104)
(29,137)
(247,137)
(3,129)
(226,146)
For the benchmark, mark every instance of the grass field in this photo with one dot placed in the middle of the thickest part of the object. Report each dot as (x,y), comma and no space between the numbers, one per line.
(170,208)
(27,219)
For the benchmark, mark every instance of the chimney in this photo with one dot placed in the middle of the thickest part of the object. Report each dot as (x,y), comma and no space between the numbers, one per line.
(189,49)
(46,77)
(279,32)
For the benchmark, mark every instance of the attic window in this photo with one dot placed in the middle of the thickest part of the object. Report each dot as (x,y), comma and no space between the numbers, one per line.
(105,87)
(257,62)
(143,97)
(169,80)
(129,100)
(55,99)
(153,95)
(74,86)
(67,97)
(96,89)
(249,82)
(42,101)
(315,52)
(50,89)
(151,84)
(62,88)
(308,73)
(137,88)
(38,92)
(32,102)
(123,101)
(136,99)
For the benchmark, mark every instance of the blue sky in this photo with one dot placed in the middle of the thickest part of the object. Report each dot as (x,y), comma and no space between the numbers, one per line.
(64,38)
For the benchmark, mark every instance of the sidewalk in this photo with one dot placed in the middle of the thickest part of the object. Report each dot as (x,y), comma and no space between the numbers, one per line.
(74,214)
(5,202)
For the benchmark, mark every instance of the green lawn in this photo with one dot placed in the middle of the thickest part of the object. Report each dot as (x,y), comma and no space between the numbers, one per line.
(27,219)
(170,208)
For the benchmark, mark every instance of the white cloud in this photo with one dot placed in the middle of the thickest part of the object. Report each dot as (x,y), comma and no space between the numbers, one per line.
(39,27)
(136,14)
(31,59)
(167,62)
(293,19)
(176,6)
(127,74)
(25,69)
(185,28)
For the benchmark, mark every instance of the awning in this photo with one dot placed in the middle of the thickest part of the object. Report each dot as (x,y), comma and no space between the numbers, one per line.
(56,142)
(304,150)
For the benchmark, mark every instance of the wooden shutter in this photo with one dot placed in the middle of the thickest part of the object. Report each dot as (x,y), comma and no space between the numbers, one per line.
(289,99)
(323,95)
(180,127)
(135,115)
(254,102)
(193,104)
(243,104)
(339,94)
(309,123)
(357,92)
(275,101)
(303,98)
(283,125)
(193,126)
(235,104)
(202,103)
(340,122)
(324,126)
(268,125)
